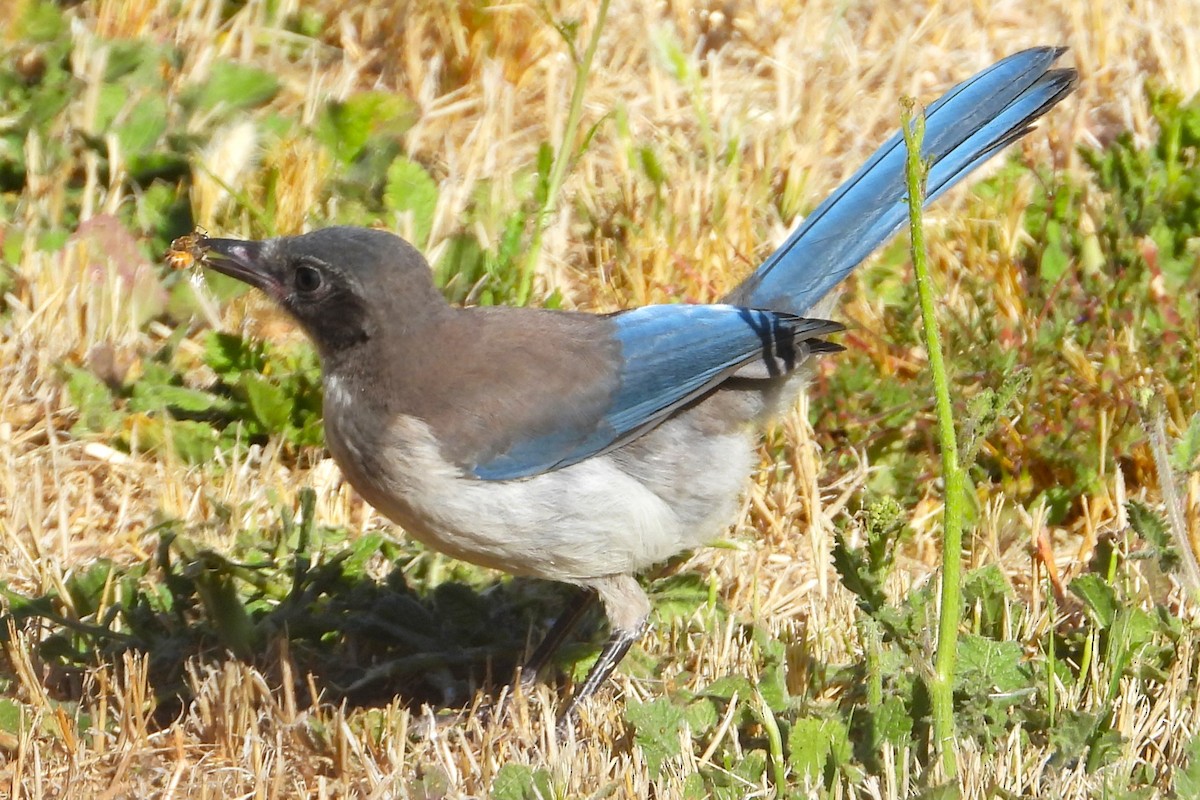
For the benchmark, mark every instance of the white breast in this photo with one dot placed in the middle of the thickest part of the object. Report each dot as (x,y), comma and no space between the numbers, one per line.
(585,521)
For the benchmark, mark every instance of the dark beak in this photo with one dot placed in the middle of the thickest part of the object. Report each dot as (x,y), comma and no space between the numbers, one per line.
(244,260)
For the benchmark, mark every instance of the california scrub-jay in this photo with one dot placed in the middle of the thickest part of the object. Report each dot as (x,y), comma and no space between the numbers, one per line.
(581,447)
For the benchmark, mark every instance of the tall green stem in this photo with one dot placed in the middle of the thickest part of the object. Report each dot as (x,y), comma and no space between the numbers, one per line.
(564,156)
(941,689)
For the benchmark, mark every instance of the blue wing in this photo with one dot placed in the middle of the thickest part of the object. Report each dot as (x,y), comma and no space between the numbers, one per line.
(668,356)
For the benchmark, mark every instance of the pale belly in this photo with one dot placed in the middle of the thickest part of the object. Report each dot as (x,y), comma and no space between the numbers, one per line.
(609,515)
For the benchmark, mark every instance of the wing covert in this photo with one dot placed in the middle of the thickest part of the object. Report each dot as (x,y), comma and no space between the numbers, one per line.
(668,356)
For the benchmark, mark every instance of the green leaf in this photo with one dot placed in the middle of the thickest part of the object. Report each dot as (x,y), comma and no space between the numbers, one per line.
(1147,524)
(1105,747)
(345,127)
(986,592)
(137,62)
(702,716)
(986,665)
(433,784)
(150,397)
(87,588)
(1099,597)
(986,408)
(1132,641)
(671,54)
(218,590)
(750,769)
(14,241)
(309,23)
(694,788)
(1187,449)
(13,718)
(891,721)
(41,21)
(656,729)
(195,442)
(142,130)
(650,164)
(410,189)
(726,687)
(462,265)
(362,550)
(231,87)
(677,597)
(1055,260)
(1186,781)
(1073,732)
(270,404)
(228,354)
(519,782)
(816,744)
(95,402)
(946,791)
(854,567)
(110,99)
(772,676)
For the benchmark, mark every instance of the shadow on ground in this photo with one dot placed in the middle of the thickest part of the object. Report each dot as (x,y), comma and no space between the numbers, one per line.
(297,589)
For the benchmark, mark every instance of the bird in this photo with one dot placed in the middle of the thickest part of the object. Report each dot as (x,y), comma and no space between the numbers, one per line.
(586,448)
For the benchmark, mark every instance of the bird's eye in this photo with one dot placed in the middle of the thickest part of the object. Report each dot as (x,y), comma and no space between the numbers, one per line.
(308,280)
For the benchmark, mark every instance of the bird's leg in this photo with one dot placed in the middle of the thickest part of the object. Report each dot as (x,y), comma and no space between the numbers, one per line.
(580,605)
(614,650)
(628,609)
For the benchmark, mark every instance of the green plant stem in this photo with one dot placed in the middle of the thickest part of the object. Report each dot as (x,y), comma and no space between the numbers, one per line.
(873,646)
(941,690)
(558,171)
(774,742)
(1051,668)
(1175,507)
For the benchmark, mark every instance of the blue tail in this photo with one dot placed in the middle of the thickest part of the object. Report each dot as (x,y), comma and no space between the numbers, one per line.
(964,128)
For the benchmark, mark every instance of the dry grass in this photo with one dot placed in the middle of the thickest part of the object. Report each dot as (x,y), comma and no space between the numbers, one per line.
(803,90)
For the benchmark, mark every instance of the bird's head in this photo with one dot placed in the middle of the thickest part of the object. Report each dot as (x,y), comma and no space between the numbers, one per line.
(344,285)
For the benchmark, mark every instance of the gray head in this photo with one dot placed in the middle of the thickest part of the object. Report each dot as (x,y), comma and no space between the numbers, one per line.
(344,285)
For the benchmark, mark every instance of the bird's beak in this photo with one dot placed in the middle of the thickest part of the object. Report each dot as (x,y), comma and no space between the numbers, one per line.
(245,260)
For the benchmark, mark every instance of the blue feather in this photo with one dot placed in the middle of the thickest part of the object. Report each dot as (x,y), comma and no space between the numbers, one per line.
(669,355)
(964,128)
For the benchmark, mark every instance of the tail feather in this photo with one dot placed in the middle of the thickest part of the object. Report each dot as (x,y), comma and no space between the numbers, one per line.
(963,129)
